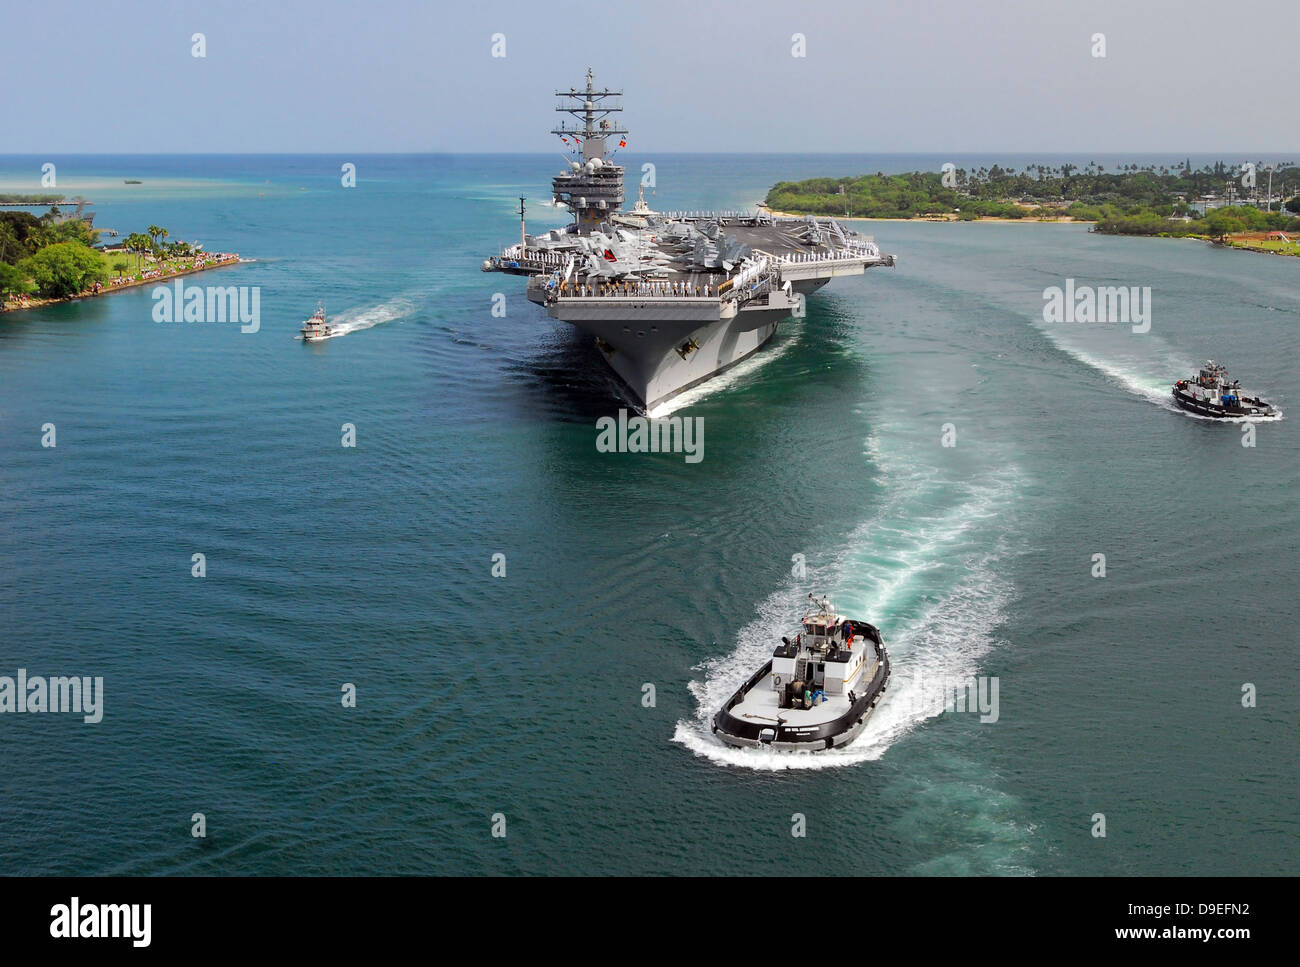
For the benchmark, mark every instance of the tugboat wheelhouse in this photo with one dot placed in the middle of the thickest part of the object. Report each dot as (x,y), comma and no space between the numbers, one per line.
(816,692)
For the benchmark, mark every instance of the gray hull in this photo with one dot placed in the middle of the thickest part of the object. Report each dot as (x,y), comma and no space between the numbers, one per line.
(656,372)
(662,347)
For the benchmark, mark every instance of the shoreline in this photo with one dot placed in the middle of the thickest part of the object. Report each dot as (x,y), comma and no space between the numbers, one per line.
(1235,244)
(1240,246)
(1064,220)
(41,303)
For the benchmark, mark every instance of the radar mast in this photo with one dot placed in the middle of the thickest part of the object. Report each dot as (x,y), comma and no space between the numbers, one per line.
(593,187)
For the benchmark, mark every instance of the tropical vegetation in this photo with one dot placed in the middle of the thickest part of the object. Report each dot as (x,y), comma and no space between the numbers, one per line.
(55,257)
(1135,199)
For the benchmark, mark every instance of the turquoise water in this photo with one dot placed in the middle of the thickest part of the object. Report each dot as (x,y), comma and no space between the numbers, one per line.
(522,695)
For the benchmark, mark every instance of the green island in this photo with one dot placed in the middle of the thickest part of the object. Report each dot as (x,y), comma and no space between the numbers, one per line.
(1209,203)
(56,256)
(29,200)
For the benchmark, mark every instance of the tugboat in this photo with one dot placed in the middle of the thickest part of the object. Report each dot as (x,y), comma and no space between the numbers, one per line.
(817,691)
(314,329)
(1212,394)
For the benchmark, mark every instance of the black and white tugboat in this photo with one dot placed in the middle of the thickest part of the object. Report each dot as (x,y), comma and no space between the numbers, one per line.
(314,329)
(817,691)
(1211,393)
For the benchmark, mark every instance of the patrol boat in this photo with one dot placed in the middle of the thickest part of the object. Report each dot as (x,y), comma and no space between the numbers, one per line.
(818,690)
(314,329)
(671,298)
(1211,393)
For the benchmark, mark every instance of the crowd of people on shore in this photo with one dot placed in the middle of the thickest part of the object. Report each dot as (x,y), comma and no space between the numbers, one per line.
(203,260)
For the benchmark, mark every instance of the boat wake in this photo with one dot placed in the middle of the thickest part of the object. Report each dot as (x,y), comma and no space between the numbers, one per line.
(932,586)
(1131,373)
(1151,388)
(354,320)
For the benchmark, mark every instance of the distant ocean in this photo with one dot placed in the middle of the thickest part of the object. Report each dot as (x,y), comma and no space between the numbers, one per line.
(523,695)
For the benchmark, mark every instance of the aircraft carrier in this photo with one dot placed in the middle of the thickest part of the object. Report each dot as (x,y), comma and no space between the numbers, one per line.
(673,298)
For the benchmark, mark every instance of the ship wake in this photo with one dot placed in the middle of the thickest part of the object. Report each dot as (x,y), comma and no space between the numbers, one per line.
(1131,372)
(1125,369)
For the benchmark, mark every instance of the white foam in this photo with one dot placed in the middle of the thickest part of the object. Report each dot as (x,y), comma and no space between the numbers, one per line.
(1277,415)
(1126,374)
(885,563)
(1154,389)
(354,320)
(1131,375)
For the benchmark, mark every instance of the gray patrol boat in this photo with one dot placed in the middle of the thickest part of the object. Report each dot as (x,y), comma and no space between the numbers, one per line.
(674,298)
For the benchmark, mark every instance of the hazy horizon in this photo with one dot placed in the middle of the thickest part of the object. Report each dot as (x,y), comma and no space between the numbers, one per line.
(917,153)
(402,77)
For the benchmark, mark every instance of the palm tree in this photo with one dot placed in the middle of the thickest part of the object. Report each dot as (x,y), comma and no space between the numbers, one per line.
(37,238)
(137,243)
(8,241)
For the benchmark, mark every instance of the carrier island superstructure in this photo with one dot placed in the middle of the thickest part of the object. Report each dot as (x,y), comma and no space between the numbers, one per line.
(671,298)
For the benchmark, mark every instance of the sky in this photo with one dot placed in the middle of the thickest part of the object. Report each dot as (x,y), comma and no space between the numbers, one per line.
(699,75)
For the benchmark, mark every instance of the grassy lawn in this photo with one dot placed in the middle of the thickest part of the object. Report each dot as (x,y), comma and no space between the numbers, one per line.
(132,262)
(1267,245)
(135,264)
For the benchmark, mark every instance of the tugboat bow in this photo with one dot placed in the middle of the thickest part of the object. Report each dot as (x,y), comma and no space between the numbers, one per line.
(816,692)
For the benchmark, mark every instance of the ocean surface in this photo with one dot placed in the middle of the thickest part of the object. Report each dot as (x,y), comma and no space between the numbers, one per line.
(525,695)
